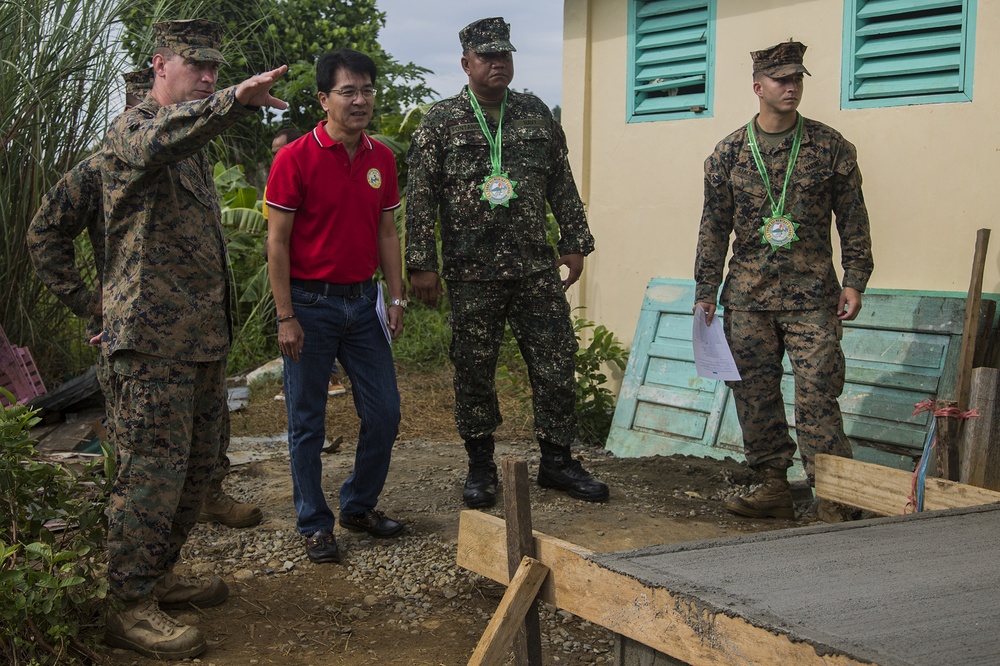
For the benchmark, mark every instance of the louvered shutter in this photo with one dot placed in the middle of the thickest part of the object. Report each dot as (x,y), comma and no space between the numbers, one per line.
(671,49)
(909,51)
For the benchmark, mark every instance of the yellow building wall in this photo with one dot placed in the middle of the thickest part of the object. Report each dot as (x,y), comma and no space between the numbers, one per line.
(931,172)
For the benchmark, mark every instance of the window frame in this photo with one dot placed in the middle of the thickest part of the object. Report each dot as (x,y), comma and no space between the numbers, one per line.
(852,41)
(631,113)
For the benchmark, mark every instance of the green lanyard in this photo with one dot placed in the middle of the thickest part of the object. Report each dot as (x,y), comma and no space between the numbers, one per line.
(779,229)
(496,144)
(497,188)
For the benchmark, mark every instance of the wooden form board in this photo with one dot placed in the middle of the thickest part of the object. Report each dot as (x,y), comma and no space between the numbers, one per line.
(887,491)
(903,348)
(494,645)
(673,624)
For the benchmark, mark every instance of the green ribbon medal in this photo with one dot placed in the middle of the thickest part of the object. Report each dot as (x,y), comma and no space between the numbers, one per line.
(498,188)
(779,229)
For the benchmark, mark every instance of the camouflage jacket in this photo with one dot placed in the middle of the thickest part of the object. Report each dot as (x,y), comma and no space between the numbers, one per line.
(166,286)
(449,158)
(72,206)
(826,180)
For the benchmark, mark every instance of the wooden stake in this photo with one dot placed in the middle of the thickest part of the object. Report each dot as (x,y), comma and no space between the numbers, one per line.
(949,429)
(980,443)
(510,614)
(521,544)
(963,381)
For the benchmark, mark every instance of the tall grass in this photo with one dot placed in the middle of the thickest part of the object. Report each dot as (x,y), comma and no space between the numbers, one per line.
(57,76)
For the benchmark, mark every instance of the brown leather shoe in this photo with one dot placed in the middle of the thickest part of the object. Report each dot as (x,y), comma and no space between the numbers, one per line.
(220,508)
(771,499)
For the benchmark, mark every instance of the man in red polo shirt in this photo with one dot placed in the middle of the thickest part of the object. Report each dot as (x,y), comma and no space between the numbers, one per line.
(330,198)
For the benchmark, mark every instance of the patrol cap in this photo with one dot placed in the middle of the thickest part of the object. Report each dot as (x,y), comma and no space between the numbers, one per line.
(139,82)
(197,39)
(488,35)
(780,60)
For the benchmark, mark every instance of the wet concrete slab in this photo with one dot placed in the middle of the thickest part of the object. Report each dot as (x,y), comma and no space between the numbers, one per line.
(918,589)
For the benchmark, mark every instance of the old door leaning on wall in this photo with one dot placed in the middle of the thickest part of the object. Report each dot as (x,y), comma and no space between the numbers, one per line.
(902,349)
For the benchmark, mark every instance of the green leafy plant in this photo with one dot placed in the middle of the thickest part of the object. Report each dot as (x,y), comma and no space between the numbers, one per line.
(51,525)
(595,403)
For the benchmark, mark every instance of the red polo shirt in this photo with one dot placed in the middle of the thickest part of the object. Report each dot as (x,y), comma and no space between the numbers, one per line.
(337,204)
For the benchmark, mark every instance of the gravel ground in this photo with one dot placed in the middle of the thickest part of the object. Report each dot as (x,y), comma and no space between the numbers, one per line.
(415,578)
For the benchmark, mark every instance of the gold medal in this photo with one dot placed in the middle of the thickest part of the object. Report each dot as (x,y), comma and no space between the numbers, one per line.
(498,190)
(778,232)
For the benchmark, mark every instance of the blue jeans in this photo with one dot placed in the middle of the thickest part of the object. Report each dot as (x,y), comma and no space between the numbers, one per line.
(348,330)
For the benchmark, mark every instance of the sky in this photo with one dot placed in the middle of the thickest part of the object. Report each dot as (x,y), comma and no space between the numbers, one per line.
(425,32)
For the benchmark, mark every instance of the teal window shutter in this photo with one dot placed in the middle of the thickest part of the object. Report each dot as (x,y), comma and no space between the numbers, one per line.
(900,52)
(671,54)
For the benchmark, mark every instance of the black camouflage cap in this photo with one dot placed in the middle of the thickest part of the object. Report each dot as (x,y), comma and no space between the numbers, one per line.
(780,60)
(197,39)
(139,82)
(487,35)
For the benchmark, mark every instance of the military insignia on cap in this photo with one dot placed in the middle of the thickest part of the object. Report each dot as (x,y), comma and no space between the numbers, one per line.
(375,178)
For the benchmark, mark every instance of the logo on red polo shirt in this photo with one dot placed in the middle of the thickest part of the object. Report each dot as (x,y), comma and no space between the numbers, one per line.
(375,178)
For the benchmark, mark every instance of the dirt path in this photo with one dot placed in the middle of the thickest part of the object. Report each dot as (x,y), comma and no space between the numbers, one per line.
(404,601)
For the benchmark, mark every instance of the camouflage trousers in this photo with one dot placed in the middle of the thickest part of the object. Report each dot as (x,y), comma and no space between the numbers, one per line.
(759,340)
(539,316)
(169,420)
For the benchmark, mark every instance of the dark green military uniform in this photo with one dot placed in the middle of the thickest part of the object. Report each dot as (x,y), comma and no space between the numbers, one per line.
(498,262)
(166,320)
(786,299)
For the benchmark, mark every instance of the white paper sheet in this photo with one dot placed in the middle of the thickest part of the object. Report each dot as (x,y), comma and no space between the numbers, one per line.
(383,315)
(712,356)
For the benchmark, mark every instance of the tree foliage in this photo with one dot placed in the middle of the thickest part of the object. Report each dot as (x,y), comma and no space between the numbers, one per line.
(260,35)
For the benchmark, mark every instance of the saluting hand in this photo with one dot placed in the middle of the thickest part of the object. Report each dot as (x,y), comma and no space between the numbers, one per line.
(256,91)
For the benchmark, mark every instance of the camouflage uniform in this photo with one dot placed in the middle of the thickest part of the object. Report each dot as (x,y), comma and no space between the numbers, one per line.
(73,205)
(498,263)
(166,328)
(785,300)
(70,207)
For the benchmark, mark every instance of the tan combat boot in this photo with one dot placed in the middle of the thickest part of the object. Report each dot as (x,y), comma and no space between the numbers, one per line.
(771,499)
(143,627)
(221,508)
(173,591)
(833,512)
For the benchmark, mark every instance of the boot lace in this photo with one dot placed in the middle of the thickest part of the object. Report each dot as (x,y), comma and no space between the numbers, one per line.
(159,620)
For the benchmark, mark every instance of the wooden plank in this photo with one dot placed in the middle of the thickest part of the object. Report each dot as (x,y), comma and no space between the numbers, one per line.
(670,623)
(886,491)
(521,546)
(492,649)
(980,440)
(67,437)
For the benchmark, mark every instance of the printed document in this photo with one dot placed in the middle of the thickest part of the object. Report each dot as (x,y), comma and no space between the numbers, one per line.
(712,356)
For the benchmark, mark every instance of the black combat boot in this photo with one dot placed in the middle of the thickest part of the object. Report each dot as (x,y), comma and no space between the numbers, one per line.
(560,470)
(481,484)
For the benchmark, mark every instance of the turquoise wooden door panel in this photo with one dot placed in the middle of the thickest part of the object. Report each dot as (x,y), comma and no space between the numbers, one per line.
(901,350)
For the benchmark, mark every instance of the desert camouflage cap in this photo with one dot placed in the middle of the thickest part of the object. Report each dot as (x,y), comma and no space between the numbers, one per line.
(780,60)
(139,82)
(487,35)
(197,39)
